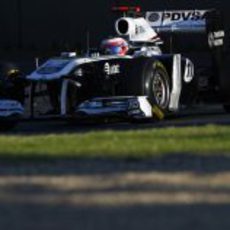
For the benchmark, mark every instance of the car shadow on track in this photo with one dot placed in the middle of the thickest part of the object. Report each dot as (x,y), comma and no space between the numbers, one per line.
(59,126)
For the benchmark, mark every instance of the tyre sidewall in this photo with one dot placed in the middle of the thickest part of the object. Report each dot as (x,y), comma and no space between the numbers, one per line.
(152,69)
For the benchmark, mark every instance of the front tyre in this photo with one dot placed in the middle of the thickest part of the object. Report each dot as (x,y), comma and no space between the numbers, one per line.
(157,85)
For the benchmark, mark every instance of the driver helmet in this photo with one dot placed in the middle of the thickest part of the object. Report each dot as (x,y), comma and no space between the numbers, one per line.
(115,46)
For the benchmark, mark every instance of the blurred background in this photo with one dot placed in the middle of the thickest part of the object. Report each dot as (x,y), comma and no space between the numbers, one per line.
(40,27)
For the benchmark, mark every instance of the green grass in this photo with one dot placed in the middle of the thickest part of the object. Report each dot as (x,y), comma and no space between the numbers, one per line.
(205,140)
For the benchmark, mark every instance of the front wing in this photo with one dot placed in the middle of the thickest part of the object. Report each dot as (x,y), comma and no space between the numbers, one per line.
(10,109)
(129,107)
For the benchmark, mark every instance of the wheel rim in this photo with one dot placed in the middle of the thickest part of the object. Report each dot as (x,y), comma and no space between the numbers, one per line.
(160,90)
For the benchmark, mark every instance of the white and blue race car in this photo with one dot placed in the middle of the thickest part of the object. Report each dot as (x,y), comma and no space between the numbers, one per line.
(144,83)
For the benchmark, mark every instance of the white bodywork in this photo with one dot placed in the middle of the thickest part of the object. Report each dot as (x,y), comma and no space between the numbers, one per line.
(56,68)
(176,83)
(137,29)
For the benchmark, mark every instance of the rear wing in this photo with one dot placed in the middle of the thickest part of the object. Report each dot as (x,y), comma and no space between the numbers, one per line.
(208,22)
(178,21)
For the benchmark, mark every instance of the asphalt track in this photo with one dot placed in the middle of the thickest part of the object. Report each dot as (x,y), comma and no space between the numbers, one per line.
(194,117)
(173,192)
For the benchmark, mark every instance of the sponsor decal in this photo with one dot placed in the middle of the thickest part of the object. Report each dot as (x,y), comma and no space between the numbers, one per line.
(154,17)
(139,29)
(216,38)
(184,16)
(111,69)
(178,19)
(79,72)
(189,71)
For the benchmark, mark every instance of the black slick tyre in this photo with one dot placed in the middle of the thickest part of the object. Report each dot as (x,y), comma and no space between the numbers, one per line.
(157,85)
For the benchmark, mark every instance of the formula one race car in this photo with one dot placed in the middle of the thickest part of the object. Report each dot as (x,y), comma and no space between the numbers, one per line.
(11,95)
(132,77)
